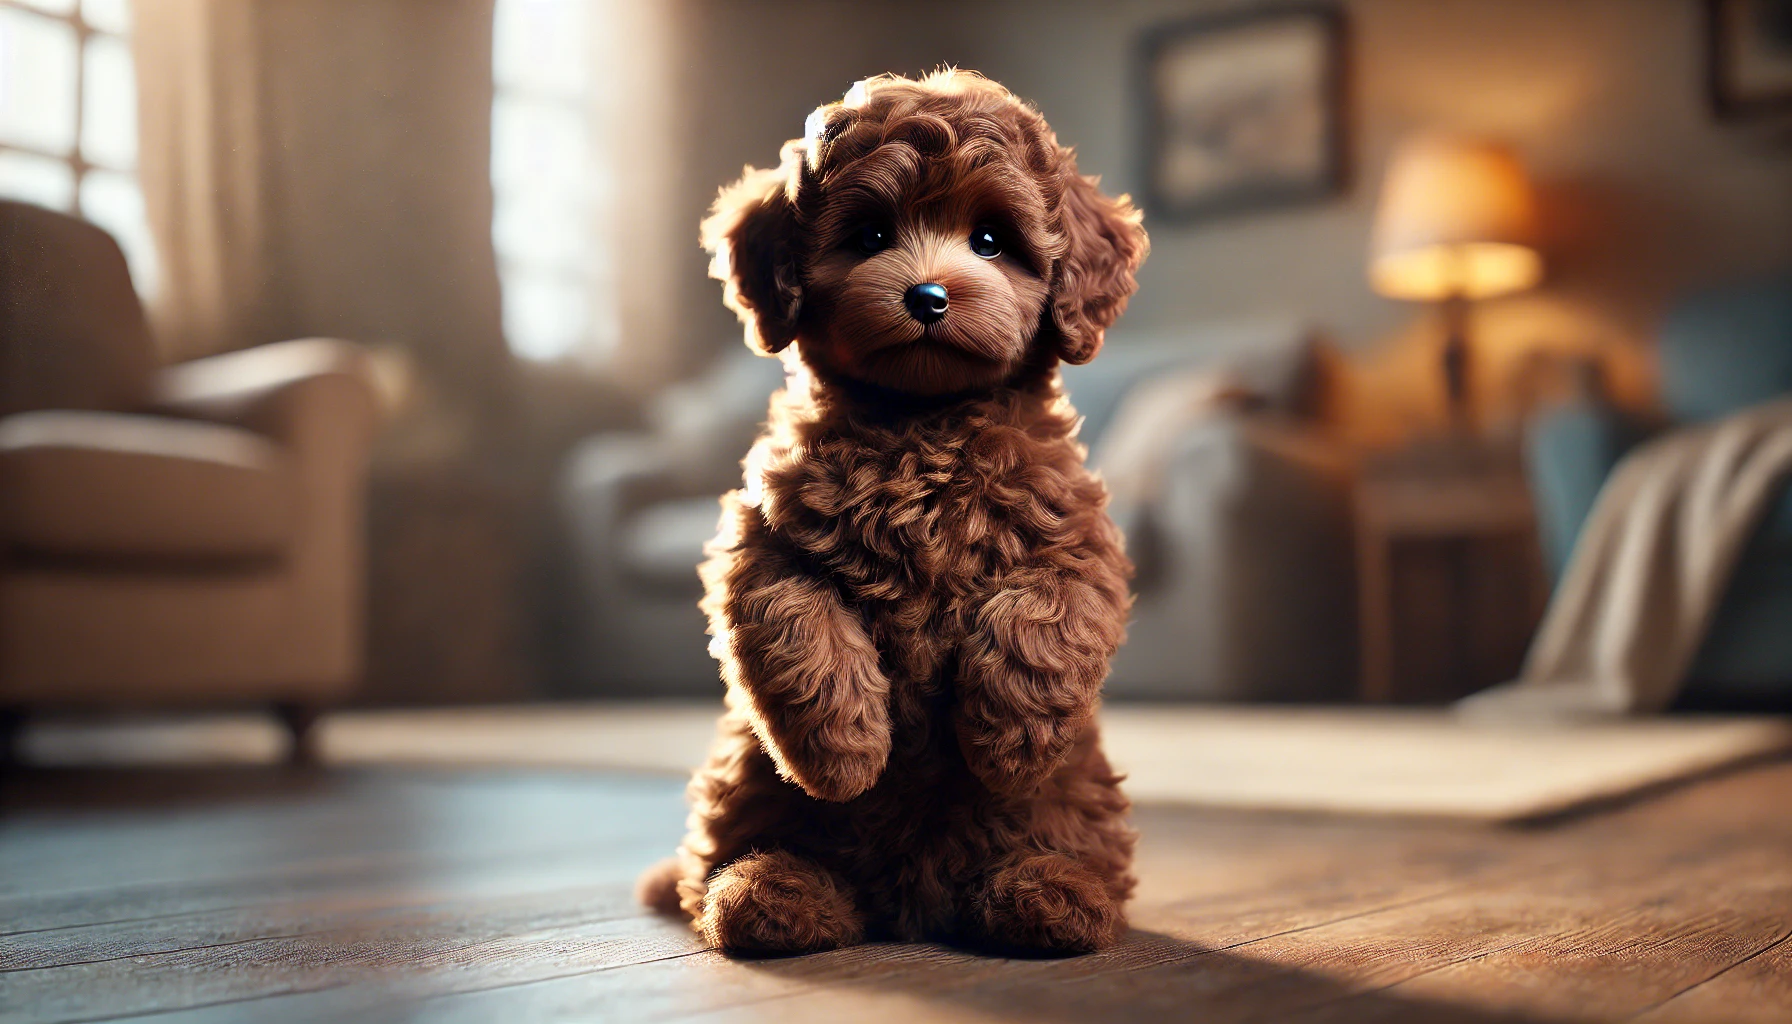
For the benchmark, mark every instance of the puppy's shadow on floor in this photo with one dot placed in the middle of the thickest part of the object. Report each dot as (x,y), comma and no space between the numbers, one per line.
(1147,977)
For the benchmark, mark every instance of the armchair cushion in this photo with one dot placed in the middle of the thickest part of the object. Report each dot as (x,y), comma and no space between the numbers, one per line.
(72,333)
(110,485)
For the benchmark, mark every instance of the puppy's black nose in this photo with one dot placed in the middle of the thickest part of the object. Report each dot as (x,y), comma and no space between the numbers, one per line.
(926,302)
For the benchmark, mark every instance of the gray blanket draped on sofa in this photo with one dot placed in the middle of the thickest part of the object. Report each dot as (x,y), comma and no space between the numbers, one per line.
(1650,568)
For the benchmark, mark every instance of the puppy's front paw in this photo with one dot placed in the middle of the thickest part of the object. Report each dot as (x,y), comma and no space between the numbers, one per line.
(1030,671)
(838,759)
(1013,757)
(812,678)
(845,780)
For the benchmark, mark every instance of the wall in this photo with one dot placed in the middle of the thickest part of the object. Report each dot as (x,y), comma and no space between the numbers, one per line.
(379,125)
(1644,193)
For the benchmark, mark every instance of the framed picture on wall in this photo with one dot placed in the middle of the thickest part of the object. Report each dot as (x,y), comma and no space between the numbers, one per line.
(1244,111)
(1748,57)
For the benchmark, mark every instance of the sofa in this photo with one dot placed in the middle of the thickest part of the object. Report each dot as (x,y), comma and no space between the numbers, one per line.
(1719,350)
(169,535)
(1245,585)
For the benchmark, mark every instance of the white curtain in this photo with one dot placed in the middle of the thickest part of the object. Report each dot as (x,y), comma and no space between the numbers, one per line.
(640,110)
(314,167)
(200,166)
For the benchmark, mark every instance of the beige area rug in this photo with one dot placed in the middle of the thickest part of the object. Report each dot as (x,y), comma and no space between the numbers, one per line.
(1335,760)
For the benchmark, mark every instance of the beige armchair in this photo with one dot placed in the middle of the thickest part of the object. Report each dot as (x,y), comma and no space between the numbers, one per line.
(168,536)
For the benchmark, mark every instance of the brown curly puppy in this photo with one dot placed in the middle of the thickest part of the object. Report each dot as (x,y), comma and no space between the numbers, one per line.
(915,595)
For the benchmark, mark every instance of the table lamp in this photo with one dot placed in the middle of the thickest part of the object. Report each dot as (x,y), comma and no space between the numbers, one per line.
(1456,223)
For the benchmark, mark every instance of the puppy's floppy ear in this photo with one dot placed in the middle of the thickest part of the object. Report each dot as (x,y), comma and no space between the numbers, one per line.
(1105,243)
(751,233)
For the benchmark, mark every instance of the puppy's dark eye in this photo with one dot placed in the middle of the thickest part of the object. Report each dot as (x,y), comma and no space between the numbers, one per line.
(872,239)
(984,242)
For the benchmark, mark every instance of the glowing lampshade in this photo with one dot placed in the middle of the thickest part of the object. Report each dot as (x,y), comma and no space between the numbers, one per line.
(1456,221)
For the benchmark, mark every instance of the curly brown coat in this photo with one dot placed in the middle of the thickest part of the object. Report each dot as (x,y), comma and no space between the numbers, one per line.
(915,595)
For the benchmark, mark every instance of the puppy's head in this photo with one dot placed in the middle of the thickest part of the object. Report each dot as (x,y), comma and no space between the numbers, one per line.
(927,237)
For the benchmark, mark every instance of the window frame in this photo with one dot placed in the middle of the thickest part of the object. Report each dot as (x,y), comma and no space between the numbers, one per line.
(573,105)
(76,157)
(593,276)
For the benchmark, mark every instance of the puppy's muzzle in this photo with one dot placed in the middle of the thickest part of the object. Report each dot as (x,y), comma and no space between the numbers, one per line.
(926,302)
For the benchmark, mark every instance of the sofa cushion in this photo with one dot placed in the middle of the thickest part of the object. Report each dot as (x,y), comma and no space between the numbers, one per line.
(662,543)
(109,485)
(706,424)
(1270,358)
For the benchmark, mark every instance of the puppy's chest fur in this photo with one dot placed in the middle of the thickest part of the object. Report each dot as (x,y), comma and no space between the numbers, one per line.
(918,523)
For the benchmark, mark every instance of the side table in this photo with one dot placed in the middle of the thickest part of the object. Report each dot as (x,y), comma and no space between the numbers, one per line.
(1451,582)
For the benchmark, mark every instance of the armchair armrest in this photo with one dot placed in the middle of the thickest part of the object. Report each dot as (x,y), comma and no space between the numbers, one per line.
(315,399)
(1569,451)
(275,389)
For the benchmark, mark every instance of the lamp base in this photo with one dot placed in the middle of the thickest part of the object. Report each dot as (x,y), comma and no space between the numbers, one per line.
(1456,361)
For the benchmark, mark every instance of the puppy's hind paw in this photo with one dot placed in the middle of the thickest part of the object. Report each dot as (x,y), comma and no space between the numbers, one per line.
(767,904)
(1045,905)
(657,888)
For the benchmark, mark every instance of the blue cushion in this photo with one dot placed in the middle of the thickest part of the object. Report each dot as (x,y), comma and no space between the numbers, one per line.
(1726,349)
(1569,452)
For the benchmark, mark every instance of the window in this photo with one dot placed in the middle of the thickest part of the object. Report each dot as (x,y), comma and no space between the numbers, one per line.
(68,117)
(549,218)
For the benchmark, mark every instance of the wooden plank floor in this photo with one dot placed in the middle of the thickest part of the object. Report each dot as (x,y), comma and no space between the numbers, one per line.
(269,895)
